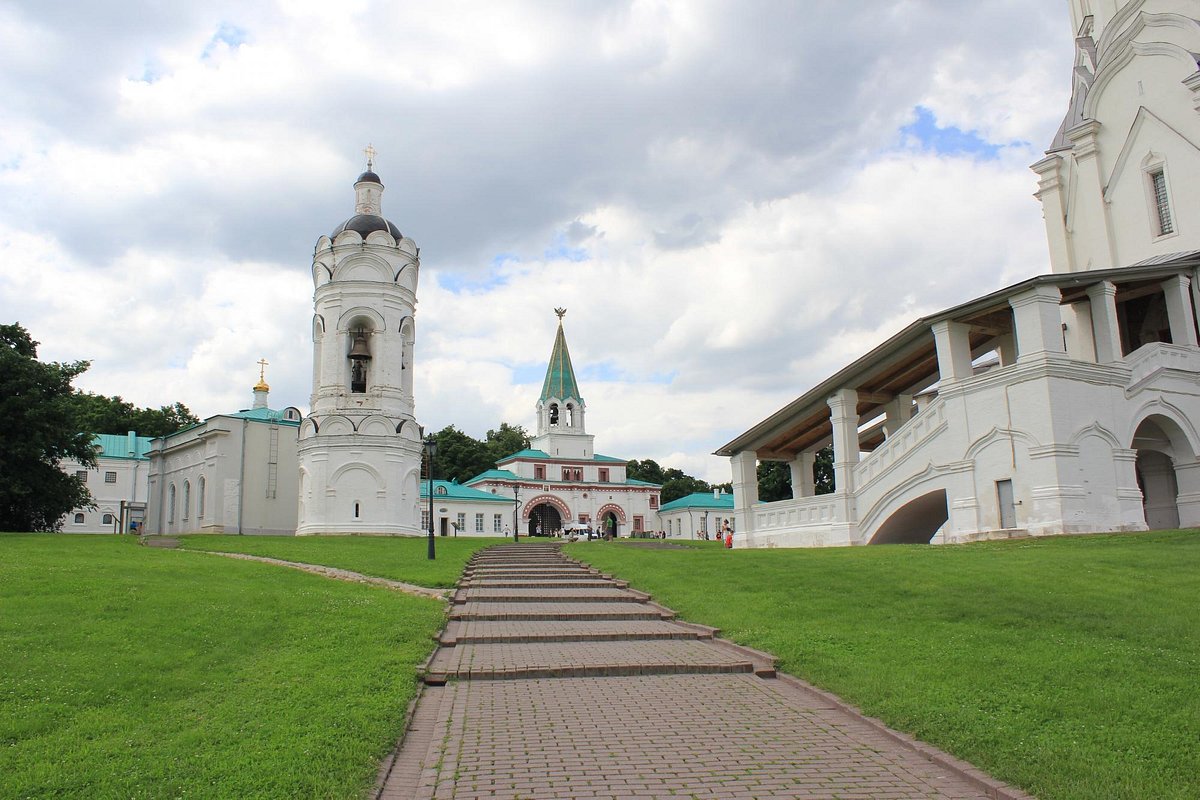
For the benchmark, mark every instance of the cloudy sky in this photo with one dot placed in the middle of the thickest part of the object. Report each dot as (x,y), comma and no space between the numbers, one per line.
(731,199)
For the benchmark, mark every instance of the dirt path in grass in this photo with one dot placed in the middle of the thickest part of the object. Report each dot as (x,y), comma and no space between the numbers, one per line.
(339,574)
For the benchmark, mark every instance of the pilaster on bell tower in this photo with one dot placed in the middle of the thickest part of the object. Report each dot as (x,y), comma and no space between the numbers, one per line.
(560,408)
(360,446)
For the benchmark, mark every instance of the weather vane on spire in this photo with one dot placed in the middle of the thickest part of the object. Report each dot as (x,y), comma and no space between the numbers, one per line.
(560,312)
(370,153)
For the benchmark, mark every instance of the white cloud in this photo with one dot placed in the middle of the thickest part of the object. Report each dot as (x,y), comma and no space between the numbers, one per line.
(731,174)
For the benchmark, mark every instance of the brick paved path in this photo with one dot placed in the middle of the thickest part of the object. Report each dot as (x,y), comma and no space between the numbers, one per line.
(554,683)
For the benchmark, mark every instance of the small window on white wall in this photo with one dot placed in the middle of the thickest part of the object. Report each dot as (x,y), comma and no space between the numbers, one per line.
(1162,202)
(200,497)
(79,518)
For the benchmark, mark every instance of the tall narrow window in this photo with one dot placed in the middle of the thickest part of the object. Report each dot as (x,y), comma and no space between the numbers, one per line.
(356,511)
(200,499)
(479,523)
(1162,203)
(171,504)
(187,498)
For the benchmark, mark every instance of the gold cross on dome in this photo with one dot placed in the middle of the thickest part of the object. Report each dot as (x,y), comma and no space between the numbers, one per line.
(262,367)
(370,153)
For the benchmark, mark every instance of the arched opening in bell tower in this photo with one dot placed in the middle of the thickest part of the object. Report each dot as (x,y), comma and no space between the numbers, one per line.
(359,355)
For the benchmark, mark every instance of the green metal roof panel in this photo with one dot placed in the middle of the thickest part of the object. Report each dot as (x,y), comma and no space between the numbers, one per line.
(636,482)
(495,474)
(526,453)
(700,500)
(449,490)
(116,445)
(598,457)
(263,415)
(560,375)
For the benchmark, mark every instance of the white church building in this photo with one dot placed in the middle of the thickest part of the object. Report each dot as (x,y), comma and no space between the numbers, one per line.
(560,480)
(1065,403)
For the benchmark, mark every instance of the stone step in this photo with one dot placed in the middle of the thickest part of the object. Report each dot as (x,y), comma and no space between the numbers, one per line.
(602,595)
(484,632)
(584,659)
(566,612)
(547,583)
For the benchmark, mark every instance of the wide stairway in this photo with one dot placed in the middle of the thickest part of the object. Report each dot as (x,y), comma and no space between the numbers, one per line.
(527,611)
(554,682)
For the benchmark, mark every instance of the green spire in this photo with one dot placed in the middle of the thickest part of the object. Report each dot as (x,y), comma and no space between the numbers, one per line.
(560,376)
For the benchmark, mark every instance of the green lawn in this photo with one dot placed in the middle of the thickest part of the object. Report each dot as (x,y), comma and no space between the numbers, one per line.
(131,672)
(400,558)
(1068,666)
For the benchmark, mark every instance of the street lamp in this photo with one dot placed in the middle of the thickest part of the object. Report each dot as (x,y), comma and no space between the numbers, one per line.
(430,450)
(516,502)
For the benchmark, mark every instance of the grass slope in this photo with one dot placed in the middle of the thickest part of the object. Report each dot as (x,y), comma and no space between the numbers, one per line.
(1067,666)
(400,558)
(129,672)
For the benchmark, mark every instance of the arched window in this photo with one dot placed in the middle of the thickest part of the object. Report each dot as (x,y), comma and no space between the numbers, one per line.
(187,498)
(570,415)
(107,519)
(171,504)
(79,519)
(554,413)
(200,499)
(356,511)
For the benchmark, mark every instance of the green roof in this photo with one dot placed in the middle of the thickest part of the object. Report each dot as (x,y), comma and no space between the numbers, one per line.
(116,445)
(542,454)
(495,474)
(451,490)
(723,502)
(636,482)
(263,415)
(560,375)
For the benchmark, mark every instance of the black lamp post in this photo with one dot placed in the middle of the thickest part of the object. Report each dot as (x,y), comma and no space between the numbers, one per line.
(430,449)
(516,502)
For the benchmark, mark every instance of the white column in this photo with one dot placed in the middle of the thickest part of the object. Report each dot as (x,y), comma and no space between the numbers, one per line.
(1006,349)
(953,350)
(1050,194)
(843,407)
(897,412)
(802,475)
(1179,310)
(1105,330)
(1038,322)
(745,489)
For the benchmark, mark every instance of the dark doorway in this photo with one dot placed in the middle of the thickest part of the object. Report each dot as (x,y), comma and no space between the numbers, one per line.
(544,520)
(610,525)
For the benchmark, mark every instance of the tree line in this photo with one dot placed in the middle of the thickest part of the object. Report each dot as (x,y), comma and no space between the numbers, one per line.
(44,421)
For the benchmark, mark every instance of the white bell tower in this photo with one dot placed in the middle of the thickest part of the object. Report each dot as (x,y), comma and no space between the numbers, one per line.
(360,448)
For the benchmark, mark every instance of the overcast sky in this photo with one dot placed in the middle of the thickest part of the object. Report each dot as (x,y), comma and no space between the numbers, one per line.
(732,200)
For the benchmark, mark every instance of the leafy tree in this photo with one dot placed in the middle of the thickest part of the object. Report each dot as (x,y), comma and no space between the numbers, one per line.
(823,471)
(460,456)
(774,481)
(100,414)
(775,477)
(504,442)
(37,431)
(646,470)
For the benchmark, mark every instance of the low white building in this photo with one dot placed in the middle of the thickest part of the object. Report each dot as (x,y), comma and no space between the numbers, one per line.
(560,479)
(700,515)
(1087,421)
(119,485)
(231,473)
(462,511)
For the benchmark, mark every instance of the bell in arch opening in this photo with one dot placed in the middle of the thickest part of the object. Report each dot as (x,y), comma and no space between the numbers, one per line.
(360,357)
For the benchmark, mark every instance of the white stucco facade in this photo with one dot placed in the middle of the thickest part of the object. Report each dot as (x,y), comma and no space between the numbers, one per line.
(360,447)
(1085,421)
(561,480)
(232,473)
(118,484)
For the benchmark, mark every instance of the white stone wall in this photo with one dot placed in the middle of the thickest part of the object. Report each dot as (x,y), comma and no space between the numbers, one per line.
(131,485)
(360,452)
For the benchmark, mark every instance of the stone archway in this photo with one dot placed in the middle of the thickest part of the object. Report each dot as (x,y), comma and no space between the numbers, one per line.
(544,520)
(1166,468)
